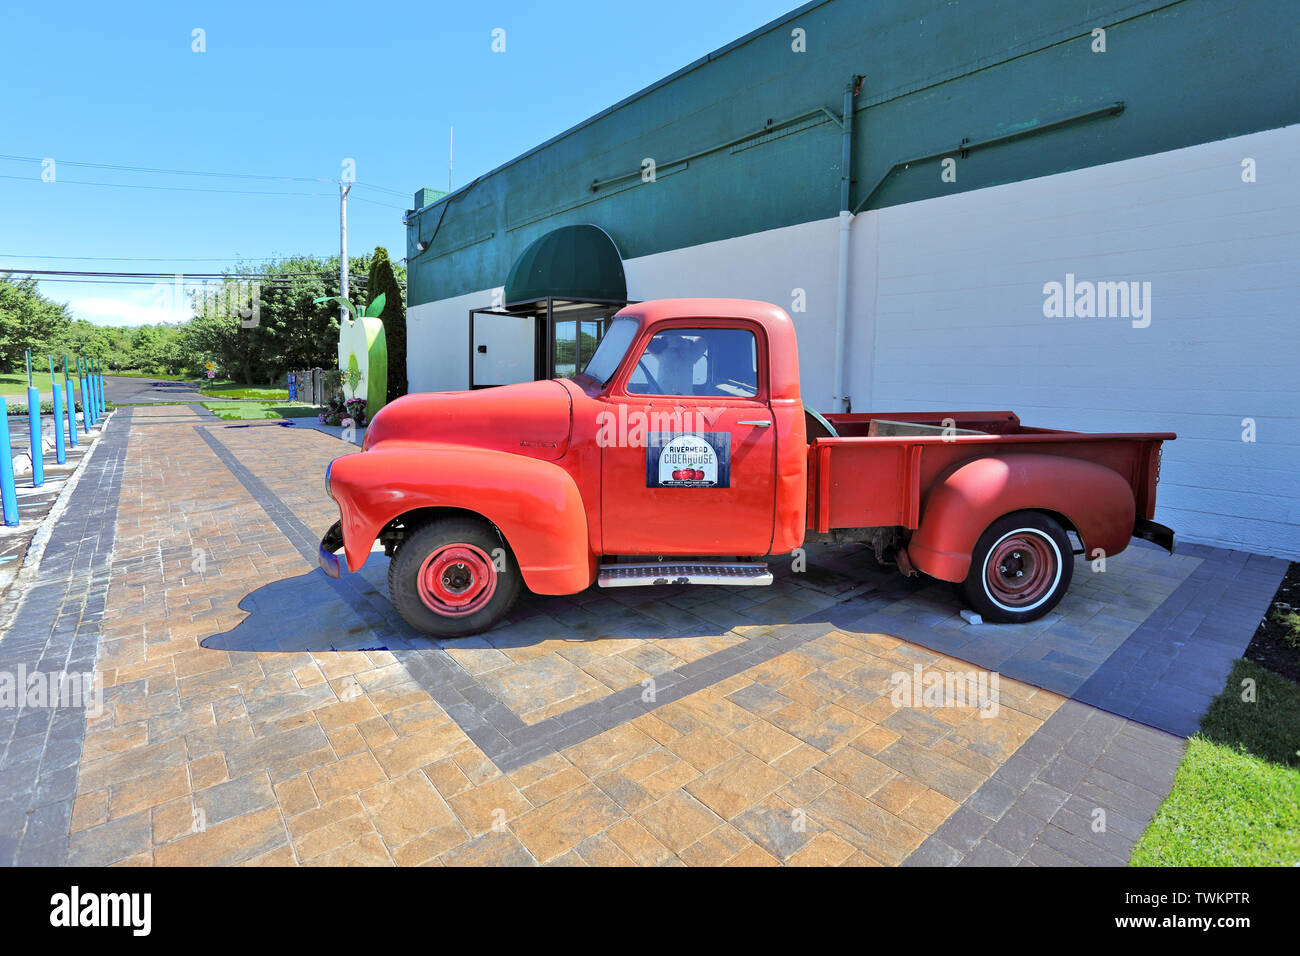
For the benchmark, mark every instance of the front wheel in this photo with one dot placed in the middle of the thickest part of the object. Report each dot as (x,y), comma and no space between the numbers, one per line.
(1020,569)
(454,577)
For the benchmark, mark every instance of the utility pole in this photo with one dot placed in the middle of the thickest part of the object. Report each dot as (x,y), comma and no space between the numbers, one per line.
(344,189)
(451,143)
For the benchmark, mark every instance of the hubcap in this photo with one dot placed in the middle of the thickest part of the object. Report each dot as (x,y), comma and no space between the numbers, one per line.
(1021,569)
(456,579)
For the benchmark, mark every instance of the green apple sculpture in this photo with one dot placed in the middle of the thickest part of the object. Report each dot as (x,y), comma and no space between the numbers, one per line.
(363,353)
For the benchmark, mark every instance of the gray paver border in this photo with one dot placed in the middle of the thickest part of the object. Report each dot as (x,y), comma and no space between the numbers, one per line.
(1079,792)
(56,629)
(1117,743)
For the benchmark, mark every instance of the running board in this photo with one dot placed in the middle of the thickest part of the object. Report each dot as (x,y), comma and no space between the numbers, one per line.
(641,575)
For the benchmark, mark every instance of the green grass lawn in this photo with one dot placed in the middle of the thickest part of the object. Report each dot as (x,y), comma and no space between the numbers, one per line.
(15,383)
(242,411)
(1236,797)
(226,389)
(13,386)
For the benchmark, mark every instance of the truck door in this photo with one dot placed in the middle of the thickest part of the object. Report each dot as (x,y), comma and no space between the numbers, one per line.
(688,445)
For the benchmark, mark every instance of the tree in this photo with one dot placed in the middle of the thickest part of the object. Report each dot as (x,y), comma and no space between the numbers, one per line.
(214,335)
(259,330)
(383,281)
(28,320)
(255,330)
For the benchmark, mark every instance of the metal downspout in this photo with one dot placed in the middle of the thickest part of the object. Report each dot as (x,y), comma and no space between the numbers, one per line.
(841,400)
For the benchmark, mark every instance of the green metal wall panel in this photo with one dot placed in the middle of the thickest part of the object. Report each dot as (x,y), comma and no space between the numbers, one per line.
(937,71)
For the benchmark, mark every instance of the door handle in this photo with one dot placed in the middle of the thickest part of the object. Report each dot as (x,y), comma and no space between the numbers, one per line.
(759,424)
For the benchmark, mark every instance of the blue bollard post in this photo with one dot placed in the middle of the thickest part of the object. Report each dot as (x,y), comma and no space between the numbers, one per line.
(34,427)
(103,392)
(72,412)
(90,393)
(99,389)
(85,405)
(38,449)
(81,389)
(60,450)
(72,405)
(8,491)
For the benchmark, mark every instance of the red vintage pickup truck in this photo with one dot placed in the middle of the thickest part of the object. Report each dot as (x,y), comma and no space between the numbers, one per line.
(683,454)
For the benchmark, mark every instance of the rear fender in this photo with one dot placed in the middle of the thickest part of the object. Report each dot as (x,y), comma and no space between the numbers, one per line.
(535,504)
(961,504)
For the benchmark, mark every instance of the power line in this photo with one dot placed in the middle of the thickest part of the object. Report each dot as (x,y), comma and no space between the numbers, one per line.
(21,255)
(158,275)
(376,202)
(193,172)
(57,280)
(154,169)
(164,278)
(196,189)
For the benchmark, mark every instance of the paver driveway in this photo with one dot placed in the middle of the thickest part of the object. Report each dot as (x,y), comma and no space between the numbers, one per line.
(257,712)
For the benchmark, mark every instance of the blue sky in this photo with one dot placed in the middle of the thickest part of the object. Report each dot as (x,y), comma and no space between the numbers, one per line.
(292,90)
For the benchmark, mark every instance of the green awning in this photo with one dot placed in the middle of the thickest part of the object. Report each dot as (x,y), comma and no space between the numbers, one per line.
(572,262)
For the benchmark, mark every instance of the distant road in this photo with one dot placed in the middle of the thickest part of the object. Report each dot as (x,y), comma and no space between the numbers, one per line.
(134,390)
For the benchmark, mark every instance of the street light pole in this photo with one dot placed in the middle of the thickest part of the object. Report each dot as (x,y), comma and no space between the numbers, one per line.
(344,189)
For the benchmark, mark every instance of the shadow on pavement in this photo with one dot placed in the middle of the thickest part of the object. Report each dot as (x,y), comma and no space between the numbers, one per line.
(1106,645)
(313,612)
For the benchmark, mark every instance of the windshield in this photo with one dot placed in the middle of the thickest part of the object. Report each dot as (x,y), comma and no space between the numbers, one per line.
(611,350)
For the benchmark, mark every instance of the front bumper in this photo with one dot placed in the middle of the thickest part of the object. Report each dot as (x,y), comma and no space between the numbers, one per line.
(1154,532)
(330,544)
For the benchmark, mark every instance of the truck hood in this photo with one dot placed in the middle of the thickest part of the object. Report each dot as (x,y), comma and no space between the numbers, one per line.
(531,418)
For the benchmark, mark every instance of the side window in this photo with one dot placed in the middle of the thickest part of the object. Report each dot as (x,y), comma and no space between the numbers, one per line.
(697,362)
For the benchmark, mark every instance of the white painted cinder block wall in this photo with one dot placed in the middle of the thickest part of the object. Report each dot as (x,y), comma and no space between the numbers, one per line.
(946,312)
(437,342)
(957,304)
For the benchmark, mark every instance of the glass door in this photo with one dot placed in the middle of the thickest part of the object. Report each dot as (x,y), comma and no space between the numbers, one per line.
(567,351)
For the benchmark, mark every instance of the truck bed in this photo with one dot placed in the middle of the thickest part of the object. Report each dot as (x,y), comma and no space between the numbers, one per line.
(861,480)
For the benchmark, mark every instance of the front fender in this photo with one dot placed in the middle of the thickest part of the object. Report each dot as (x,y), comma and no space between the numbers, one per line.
(960,505)
(535,504)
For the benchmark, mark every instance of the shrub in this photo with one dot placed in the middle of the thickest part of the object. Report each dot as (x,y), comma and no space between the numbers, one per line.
(334,382)
(384,280)
(339,412)
(357,411)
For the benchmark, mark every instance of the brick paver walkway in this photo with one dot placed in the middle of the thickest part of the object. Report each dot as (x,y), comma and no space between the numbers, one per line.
(257,712)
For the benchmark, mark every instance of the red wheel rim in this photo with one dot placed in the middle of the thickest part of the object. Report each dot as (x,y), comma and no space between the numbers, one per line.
(456,579)
(1021,570)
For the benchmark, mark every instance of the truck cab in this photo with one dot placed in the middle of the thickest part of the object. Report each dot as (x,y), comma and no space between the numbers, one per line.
(697,414)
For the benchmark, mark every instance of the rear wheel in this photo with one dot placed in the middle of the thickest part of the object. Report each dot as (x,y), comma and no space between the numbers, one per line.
(1020,569)
(454,577)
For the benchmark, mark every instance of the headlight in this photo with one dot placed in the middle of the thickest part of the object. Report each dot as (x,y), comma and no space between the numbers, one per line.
(328,491)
